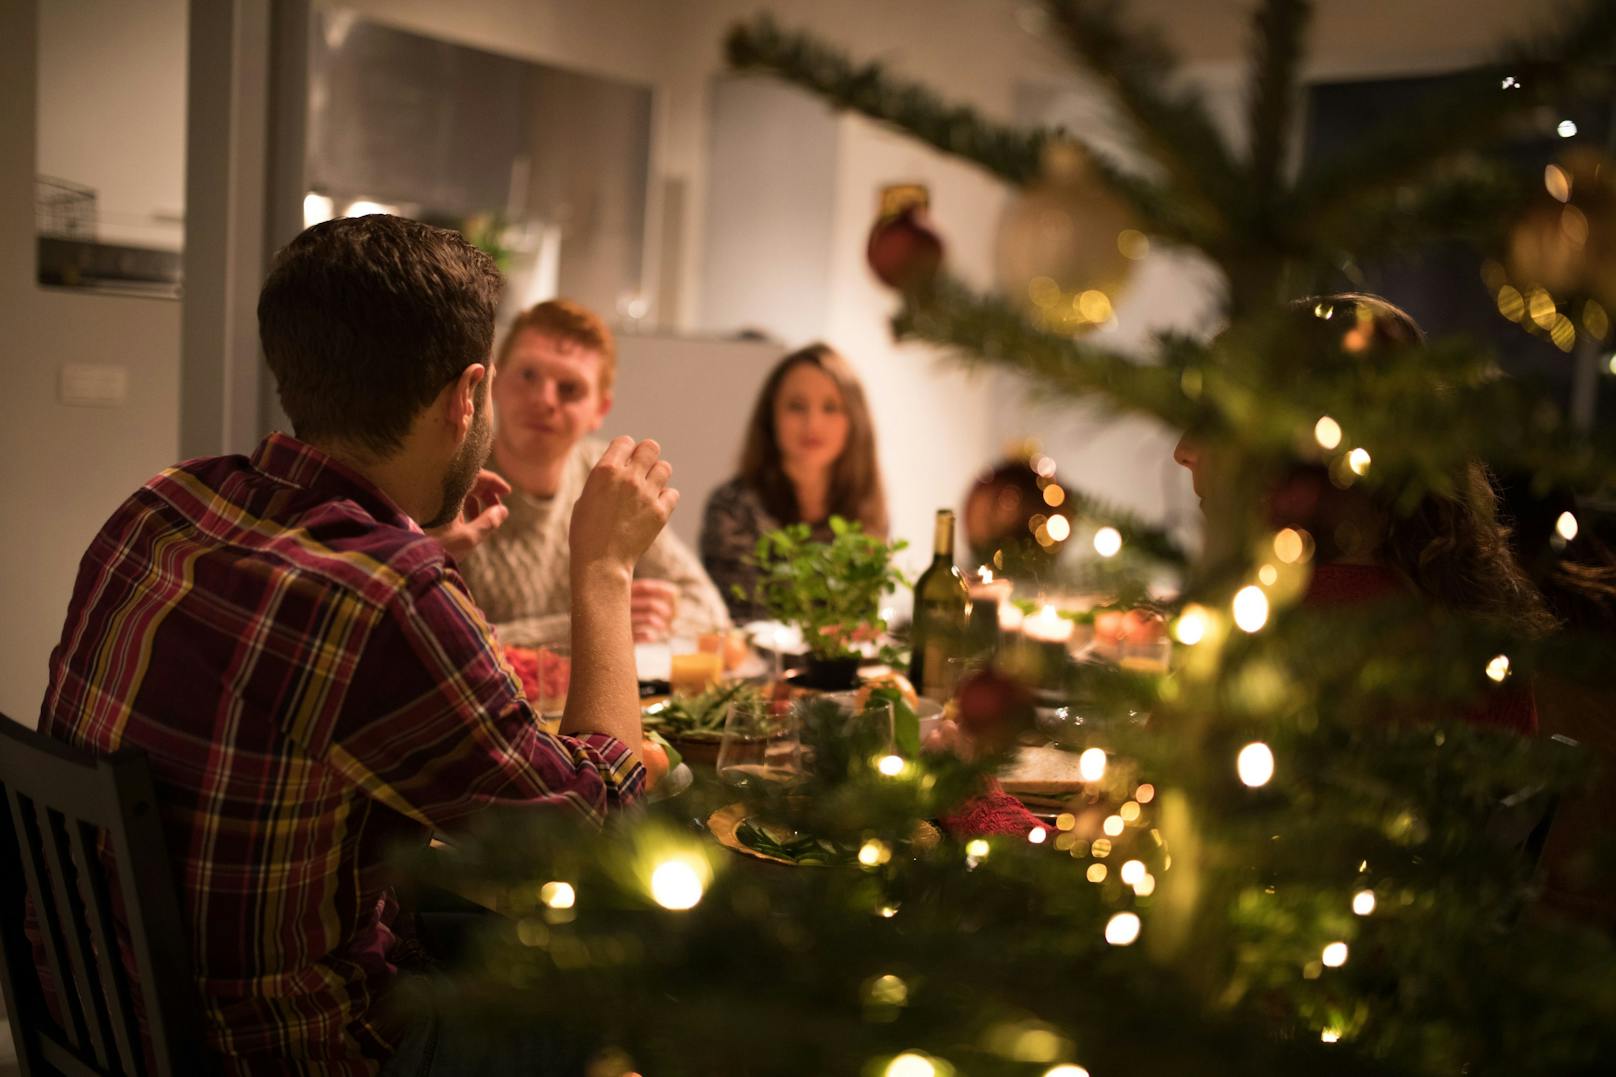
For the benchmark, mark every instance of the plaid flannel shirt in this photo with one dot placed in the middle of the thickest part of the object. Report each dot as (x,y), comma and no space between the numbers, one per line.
(312,684)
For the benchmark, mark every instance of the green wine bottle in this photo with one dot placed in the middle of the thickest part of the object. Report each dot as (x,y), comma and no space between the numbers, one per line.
(942,603)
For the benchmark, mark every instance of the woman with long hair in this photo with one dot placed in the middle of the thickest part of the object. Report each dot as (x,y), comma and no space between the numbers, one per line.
(809,454)
(1450,550)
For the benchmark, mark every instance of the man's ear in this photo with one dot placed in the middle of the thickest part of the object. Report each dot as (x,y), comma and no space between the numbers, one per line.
(461,403)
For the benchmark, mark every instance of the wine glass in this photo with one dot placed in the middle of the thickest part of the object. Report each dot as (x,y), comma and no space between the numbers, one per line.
(760,746)
(867,724)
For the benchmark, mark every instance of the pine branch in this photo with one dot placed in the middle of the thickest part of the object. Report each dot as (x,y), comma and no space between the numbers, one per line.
(1172,130)
(1012,154)
(987,330)
(1138,535)
(1160,211)
(1473,113)
(1473,202)
(1271,97)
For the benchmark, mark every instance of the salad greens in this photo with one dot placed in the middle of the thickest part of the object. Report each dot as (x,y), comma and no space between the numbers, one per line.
(703,715)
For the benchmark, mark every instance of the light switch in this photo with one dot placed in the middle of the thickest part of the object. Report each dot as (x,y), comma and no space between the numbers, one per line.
(94,385)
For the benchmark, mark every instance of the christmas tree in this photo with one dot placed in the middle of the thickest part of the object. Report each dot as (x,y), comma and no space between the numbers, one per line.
(1292,858)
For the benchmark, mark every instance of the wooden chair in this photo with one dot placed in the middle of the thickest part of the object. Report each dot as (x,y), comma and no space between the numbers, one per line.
(58,802)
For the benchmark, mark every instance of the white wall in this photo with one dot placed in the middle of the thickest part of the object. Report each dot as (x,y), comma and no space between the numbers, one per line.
(110,75)
(693,395)
(62,469)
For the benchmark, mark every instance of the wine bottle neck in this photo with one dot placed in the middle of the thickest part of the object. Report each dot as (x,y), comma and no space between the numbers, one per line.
(943,542)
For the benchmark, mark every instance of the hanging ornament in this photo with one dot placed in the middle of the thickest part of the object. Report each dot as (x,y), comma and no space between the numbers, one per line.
(994,708)
(1017,515)
(1564,245)
(1067,246)
(904,250)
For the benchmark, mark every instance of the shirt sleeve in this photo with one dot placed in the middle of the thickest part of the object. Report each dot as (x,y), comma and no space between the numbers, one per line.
(434,724)
(536,631)
(729,537)
(701,608)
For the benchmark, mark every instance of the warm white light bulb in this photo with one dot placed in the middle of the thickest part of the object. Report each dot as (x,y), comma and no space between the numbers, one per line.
(910,1064)
(1122,929)
(1037,835)
(1255,764)
(1566,128)
(1107,542)
(1334,955)
(1359,460)
(976,848)
(1327,432)
(558,895)
(890,765)
(1192,625)
(1132,871)
(1066,1069)
(1566,526)
(1498,668)
(874,853)
(1250,608)
(676,885)
(1091,764)
(1363,902)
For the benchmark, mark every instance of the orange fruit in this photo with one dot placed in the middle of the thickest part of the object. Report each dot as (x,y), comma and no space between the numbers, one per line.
(655,759)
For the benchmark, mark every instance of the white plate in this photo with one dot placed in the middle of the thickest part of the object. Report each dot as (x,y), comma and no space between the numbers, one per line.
(673,783)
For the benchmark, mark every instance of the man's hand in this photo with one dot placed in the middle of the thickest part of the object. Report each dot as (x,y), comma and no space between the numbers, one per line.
(480,515)
(626,501)
(652,606)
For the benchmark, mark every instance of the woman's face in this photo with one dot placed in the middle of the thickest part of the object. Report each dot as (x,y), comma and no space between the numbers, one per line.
(810,419)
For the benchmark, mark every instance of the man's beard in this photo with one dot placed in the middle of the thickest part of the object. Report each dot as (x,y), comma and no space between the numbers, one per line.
(469,460)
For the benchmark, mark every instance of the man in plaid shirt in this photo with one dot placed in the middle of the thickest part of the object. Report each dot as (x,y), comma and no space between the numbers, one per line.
(303,666)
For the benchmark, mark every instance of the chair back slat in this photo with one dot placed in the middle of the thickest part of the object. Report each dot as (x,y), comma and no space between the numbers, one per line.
(64,891)
(31,852)
(86,829)
(171,992)
(114,982)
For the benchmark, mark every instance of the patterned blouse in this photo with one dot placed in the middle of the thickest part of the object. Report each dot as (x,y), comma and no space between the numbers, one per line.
(730,527)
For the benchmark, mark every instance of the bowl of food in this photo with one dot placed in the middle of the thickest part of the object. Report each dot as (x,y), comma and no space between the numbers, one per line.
(695,724)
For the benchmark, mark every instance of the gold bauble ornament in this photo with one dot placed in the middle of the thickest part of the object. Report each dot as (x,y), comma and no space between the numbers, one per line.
(1067,246)
(1564,245)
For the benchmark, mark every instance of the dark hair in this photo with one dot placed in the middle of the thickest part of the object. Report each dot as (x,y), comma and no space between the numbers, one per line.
(856,492)
(1452,545)
(364,320)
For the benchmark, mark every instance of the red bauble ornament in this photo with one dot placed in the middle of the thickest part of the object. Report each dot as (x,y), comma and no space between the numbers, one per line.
(904,250)
(994,709)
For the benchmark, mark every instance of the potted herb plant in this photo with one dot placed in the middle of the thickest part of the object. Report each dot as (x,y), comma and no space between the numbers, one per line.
(830,590)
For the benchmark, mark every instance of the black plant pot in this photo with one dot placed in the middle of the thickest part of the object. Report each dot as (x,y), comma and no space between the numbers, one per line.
(831,674)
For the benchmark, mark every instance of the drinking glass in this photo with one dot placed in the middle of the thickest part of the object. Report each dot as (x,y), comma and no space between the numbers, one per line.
(867,724)
(760,746)
(691,670)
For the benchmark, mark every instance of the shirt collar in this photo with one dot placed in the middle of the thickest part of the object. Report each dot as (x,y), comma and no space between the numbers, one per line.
(297,463)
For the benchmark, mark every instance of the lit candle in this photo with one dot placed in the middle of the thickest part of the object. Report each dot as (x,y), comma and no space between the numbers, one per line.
(1010,617)
(988,598)
(1047,626)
